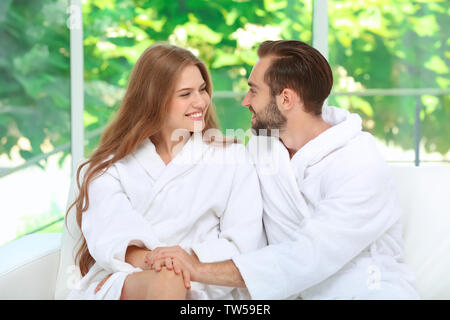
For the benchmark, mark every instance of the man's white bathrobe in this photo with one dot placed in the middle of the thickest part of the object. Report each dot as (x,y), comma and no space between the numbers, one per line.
(207,199)
(331,218)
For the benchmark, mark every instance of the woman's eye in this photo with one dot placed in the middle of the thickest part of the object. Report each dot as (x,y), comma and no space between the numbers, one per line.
(185,94)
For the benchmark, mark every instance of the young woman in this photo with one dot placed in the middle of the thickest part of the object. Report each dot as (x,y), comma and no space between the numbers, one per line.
(158,179)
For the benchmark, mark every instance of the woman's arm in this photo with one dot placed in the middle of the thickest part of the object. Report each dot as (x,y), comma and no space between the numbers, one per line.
(110,224)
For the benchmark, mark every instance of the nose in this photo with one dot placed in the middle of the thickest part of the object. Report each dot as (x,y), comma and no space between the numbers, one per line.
(199,101)
(246,101)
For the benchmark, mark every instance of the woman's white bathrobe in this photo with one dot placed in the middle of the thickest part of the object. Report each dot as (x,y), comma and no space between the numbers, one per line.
(331,218)
(207,199)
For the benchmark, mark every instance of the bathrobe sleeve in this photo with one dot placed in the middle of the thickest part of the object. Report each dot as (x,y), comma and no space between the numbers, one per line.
(110,224)
(241,226)
(357,209)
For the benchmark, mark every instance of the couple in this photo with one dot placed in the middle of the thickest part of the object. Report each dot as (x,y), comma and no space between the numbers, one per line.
(169,211)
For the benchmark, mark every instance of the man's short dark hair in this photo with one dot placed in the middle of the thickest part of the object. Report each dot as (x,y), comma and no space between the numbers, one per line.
(299,67)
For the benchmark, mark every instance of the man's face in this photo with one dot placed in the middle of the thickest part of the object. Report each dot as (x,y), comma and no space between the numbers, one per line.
(260,102)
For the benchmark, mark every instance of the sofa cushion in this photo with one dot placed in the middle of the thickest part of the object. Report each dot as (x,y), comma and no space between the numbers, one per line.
(424,195)
(28,267)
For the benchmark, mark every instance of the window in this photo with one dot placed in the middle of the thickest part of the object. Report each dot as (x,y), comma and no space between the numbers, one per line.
(391,65)
(34,116)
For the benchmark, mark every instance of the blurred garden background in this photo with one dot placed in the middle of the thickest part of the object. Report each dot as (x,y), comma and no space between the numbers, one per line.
(390,61)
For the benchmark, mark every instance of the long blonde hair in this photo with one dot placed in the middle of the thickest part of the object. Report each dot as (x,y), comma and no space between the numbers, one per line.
(141,116)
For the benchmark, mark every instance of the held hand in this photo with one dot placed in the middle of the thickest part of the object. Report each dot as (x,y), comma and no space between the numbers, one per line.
(172,264)
(136,256)
(184,260)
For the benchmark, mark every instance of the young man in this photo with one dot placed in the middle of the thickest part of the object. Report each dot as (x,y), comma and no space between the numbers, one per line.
(331,210)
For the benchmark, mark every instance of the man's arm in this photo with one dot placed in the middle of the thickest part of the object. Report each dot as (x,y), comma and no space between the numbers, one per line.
(356,212)
(224,273)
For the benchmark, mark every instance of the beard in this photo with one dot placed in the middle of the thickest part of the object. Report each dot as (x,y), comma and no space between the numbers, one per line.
(270,121)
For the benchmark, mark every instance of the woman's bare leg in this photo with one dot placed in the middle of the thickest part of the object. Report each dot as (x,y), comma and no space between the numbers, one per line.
(153,285)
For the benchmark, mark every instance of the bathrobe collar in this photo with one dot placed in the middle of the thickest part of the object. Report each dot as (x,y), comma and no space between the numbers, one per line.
(276,167)
(189,155)
(345,126)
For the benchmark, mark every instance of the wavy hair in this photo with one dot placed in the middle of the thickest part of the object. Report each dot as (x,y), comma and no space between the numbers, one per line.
(142,114)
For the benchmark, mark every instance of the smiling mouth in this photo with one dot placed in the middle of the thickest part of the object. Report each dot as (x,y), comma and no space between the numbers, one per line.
(252,112)
(196,116)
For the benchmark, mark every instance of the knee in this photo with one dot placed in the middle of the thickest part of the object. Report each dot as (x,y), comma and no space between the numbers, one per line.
(132,289)
(150,284)
(169,278)
(166,284)
(135,285)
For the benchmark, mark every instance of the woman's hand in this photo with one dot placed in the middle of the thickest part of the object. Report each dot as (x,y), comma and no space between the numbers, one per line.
(136,256)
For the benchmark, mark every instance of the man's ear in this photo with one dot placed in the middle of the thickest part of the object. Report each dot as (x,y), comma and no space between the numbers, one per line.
(286,99)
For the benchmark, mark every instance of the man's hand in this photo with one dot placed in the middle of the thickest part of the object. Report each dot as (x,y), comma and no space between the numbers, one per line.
(177,258)
(223,273)
(172,264)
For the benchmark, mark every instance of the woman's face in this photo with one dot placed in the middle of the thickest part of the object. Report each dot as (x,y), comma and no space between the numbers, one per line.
(188,105)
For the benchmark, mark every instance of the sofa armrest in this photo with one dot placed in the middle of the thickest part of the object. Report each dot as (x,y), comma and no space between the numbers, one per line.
(28,267)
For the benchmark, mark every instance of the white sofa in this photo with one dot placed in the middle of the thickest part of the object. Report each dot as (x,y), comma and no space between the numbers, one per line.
(40,266)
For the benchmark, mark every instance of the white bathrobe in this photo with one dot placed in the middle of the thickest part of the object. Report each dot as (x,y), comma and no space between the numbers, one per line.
(331,216)
(207,199)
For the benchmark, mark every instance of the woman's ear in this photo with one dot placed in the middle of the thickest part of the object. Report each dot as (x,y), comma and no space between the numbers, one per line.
(286,99)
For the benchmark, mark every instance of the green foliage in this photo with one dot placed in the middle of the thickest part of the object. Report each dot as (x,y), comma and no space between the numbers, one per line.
(378,44)
(116,32)
(34,86)
(394,44)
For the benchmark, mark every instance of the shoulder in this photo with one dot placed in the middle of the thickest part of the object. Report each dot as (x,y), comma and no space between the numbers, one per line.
(360,152)
(229,154)
(357,164)
(126,166)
